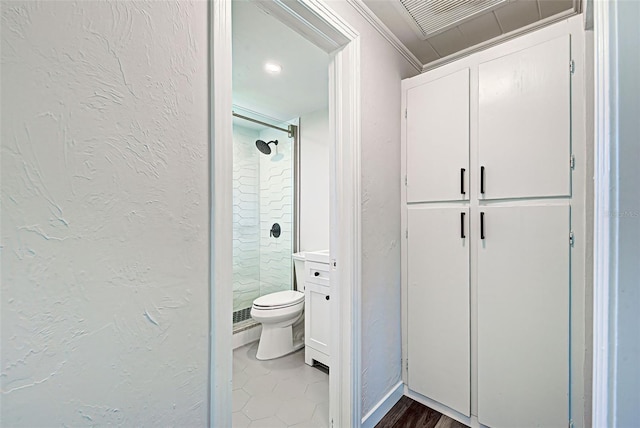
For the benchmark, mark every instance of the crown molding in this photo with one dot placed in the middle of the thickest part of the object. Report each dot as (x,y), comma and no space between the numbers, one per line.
(384,31)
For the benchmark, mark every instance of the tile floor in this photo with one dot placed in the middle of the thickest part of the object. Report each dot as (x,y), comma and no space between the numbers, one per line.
(284,392)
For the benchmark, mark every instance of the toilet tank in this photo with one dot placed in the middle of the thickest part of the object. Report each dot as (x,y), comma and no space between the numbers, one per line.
(298,266)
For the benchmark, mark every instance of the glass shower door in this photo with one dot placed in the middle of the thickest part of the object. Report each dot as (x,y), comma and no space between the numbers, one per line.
(263,214)
(276,214)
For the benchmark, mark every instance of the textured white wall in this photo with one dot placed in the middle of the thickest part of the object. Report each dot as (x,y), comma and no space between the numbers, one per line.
(246,218)
(625,221)
(104,213)
(382,70)
(314,181)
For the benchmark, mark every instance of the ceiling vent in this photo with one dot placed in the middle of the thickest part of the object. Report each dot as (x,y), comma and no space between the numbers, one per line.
(431,17)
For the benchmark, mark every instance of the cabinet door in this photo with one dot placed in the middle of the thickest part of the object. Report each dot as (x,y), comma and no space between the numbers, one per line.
(438,305)
(317,317)
(523,317)
(524,121)
(438,139)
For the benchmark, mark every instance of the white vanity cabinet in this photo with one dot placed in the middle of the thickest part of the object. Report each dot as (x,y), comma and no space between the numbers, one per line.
(317,300)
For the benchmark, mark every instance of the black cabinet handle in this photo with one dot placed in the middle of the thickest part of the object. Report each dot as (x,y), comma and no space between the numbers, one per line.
(462,225)
(327,297)
(462,170)
(482,179)
(481,225)
(316,274)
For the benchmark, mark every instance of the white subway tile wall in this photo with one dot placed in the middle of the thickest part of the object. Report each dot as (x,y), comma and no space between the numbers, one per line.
(246,218)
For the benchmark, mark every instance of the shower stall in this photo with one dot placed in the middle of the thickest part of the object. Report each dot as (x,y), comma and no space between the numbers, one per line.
(264,210)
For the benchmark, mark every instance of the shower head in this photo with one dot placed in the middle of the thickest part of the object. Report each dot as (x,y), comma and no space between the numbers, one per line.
(264,147)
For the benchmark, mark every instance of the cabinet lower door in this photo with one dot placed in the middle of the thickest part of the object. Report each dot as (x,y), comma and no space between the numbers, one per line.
(317,317)
(438,305)
(524,316)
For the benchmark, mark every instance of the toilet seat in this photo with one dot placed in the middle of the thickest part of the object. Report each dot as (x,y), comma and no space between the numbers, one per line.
(279,300)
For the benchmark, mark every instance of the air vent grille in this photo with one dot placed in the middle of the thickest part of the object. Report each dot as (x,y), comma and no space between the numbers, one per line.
(242,315)
(432,17)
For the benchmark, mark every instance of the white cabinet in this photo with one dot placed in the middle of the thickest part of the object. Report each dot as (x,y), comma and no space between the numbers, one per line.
(438,305)
(523,316)
(487,317)
(317,302)
(438,139)
(318,319)
(317,273)
(524,123)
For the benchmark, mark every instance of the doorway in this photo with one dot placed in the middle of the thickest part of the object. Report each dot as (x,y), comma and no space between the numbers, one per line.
(331,33)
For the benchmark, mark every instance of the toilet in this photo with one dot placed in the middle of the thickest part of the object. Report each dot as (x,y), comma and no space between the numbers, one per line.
(281,315)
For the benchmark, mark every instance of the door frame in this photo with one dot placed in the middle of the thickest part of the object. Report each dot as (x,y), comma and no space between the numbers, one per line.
(605,256)
(322,26)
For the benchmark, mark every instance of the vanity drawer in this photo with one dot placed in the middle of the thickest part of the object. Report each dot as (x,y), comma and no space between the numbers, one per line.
(317,273)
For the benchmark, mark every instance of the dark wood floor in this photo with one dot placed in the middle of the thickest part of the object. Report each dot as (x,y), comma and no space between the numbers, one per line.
(408,413)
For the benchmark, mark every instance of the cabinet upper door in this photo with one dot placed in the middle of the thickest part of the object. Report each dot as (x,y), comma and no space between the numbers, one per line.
(523,316)
(438,305)
(438,139)
(524,120)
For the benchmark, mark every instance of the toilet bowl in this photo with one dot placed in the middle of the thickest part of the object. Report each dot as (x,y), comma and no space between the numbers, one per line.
(278,313)
(281,315)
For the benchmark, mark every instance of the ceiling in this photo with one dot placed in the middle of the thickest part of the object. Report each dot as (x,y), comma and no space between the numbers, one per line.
(301,87)
(506,17)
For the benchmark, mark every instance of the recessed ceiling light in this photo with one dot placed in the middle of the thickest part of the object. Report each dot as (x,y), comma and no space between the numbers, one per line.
(272,68)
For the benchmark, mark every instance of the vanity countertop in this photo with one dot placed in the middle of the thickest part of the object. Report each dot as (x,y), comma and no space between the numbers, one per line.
(321,256)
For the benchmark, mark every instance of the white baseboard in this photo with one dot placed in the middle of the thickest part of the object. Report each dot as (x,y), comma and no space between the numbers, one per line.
(247,336)
(374,416)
